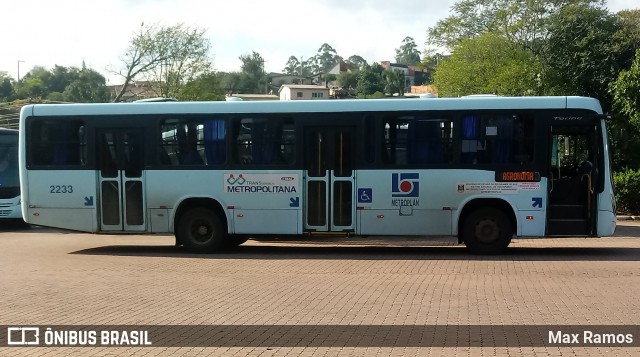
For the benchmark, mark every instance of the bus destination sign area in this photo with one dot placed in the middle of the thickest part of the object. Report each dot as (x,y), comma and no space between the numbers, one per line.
(517,176)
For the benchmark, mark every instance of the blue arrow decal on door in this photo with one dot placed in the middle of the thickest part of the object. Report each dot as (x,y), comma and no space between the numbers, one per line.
(88,201)
(537,202)
(294,202)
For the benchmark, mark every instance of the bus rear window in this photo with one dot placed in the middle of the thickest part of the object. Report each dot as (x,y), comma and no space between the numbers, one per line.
(57,143)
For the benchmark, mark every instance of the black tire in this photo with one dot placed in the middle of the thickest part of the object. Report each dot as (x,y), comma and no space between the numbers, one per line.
(487,231)
(201,231)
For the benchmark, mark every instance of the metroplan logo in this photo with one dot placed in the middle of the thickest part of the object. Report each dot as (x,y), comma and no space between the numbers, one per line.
(405,185)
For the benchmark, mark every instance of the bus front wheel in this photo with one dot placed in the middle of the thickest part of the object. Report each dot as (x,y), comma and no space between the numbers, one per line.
(201,231)
(487,231)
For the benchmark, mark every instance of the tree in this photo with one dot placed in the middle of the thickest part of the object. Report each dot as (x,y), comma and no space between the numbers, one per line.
(6,86)
(293,66)
(326,58)
(31,88)
(630,32)
(230,82)
(488,64)
(59,77)
(522,22)
(206,87)
(370,80)
(348,80)
(356,62)
(395,82)
(626,93)
(625,128)
(583,54)
(254,78)
(408,52)
(170,56)
(89,87)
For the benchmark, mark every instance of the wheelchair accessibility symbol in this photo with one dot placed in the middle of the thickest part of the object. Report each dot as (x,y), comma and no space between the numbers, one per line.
(365,195)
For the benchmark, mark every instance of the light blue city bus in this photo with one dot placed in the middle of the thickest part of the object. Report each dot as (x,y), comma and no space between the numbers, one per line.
(483,169)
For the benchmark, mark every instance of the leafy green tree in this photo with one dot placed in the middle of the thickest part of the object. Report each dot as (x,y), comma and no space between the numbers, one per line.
(394,82)
(522,22)
(408,52)
(370,80)
(488,64)
(626,93)
(89,87)
(311,66)
(59,77)
(356,62)
(170,56)
(629,35)
(230,82)
(254,78)
(326,58)
(583,54)
(293,66)
(31,87)
(348,80)
(6,86)
(206,87)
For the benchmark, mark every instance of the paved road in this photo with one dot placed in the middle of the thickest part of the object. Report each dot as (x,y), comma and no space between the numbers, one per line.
(355,298)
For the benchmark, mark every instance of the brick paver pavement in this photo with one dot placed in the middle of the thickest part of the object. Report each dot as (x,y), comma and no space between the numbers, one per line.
(52,277)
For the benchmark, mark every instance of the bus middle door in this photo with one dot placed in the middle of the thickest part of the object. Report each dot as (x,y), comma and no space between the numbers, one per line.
(121,179)
(330,179)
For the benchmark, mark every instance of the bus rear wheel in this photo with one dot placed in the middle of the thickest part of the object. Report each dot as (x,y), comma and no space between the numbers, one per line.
(487,231)
(201,231)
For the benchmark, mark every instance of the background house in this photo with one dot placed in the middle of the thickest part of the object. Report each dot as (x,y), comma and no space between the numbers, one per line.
(302,92)
(136,90)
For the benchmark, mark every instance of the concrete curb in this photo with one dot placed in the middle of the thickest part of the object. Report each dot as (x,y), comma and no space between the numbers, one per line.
(628,218)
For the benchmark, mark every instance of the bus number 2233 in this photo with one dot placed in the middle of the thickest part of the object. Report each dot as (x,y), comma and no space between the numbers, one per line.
(60,189)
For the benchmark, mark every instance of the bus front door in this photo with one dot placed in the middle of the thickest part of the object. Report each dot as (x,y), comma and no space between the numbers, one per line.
(121,179)
(330,179)
(574,181)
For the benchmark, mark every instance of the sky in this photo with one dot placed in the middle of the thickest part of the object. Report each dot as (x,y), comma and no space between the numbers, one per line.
(98,32)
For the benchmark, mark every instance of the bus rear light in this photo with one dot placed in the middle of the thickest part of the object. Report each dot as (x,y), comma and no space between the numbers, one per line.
(529,218)
(239,215)
(380,216)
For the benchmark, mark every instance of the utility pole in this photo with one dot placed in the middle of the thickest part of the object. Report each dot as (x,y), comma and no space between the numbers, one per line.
(301,69)
(19,61)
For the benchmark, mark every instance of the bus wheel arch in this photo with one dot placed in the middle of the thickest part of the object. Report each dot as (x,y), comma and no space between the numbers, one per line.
(201,225)
(486,226)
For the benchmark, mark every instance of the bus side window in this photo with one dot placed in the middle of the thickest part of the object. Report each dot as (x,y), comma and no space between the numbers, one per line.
(470,139)
(425,142)
(496,139)
(60,143)
(193,142)
(264,141)
(215,147)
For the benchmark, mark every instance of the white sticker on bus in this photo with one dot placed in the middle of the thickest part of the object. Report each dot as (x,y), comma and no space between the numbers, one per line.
(261,183)
(504,188)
